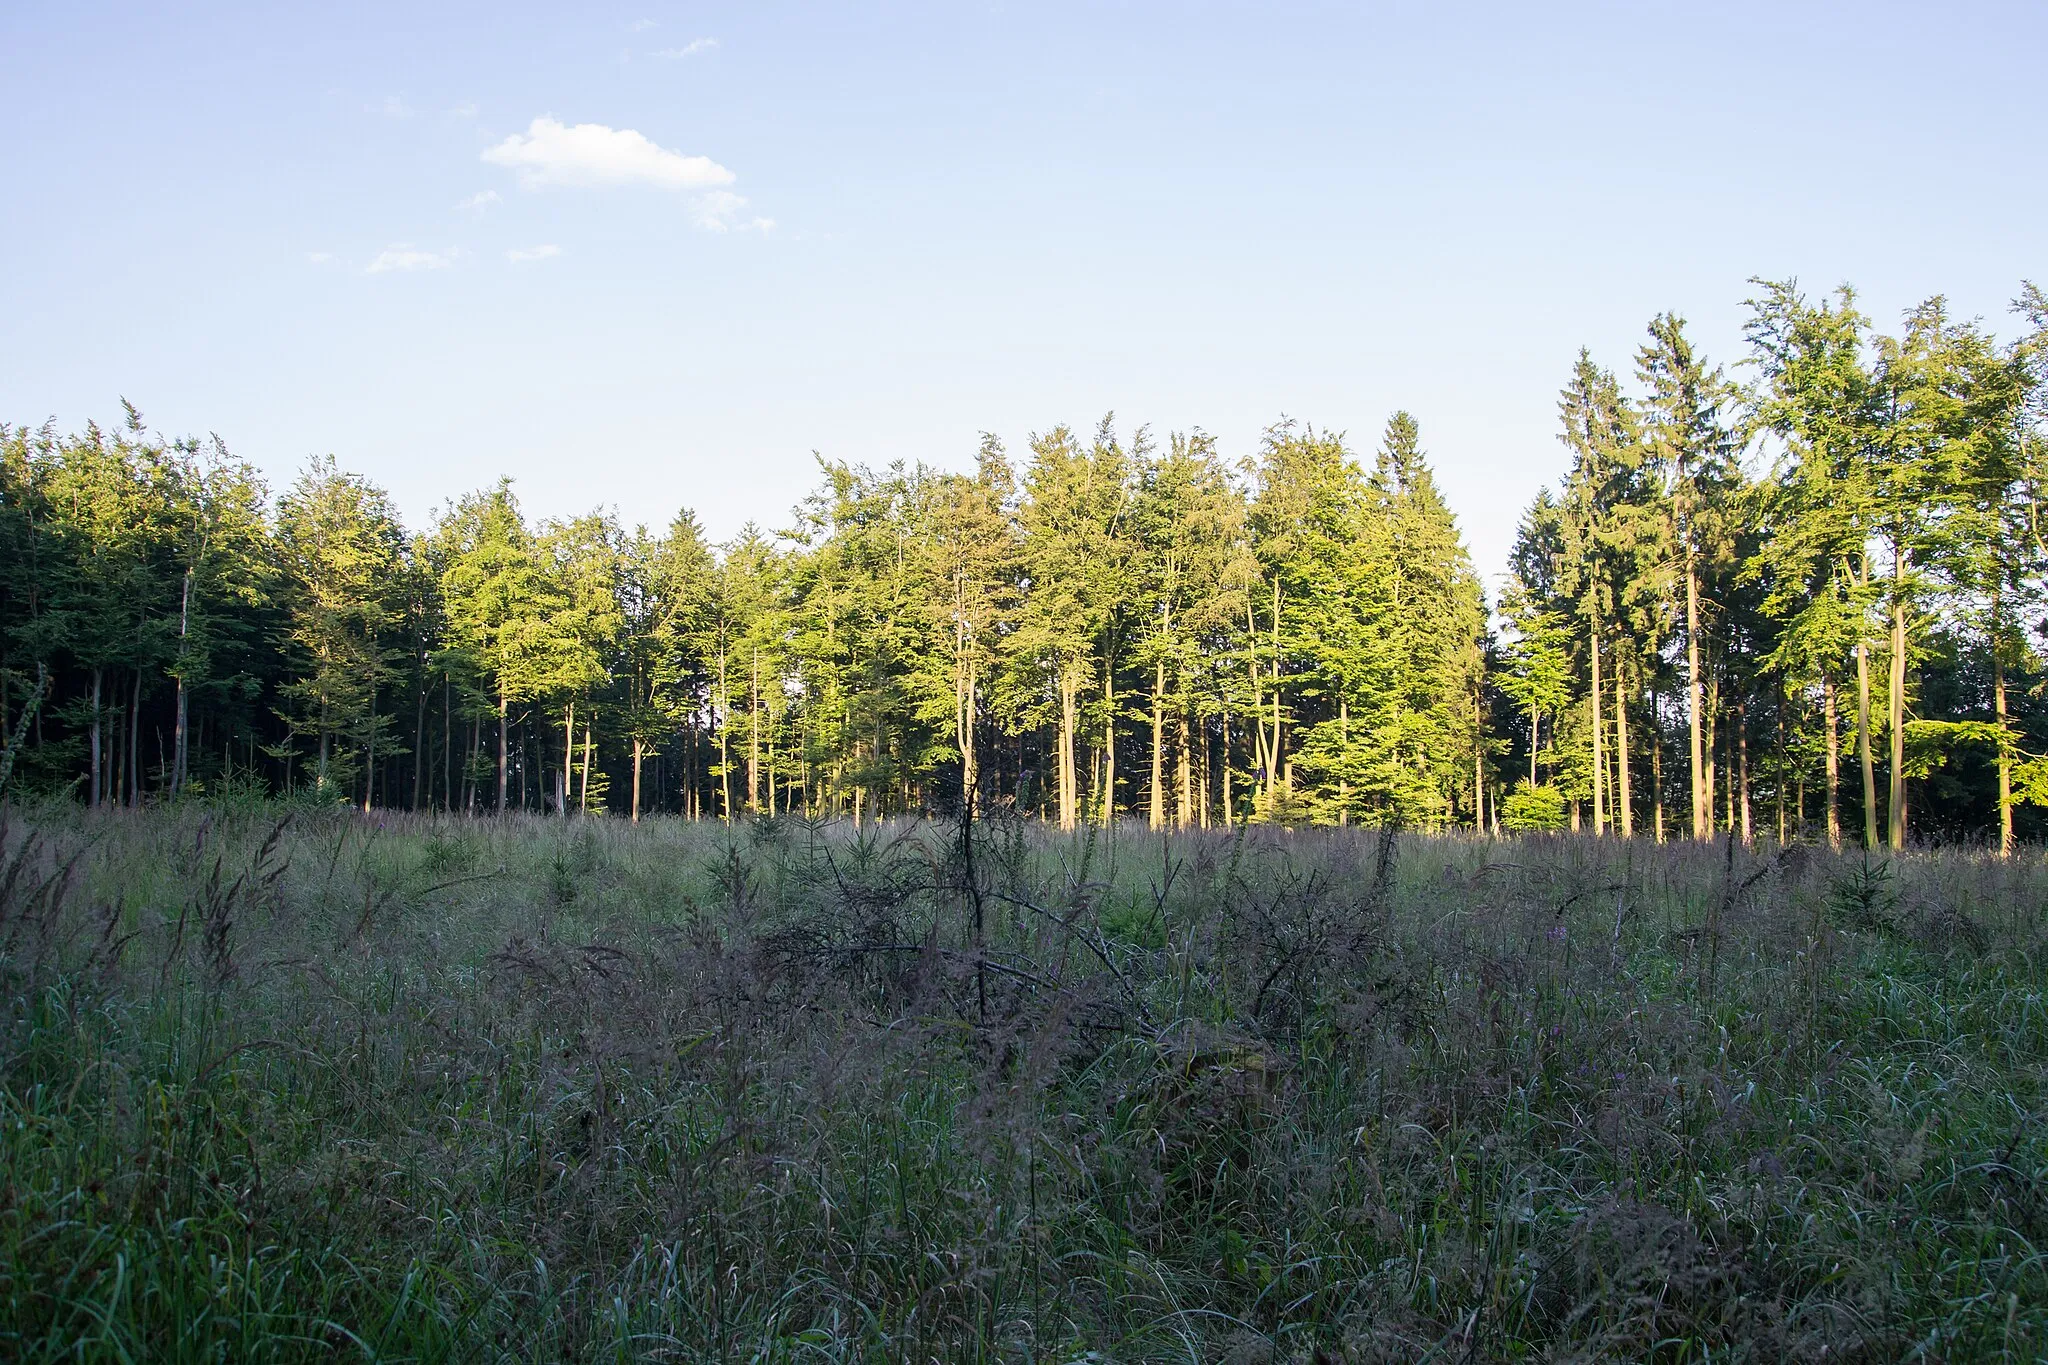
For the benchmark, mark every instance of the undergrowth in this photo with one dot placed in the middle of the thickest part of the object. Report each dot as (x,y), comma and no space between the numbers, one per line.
(339,1087)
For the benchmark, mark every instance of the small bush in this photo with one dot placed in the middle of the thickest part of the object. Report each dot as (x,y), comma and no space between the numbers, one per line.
(1532,809)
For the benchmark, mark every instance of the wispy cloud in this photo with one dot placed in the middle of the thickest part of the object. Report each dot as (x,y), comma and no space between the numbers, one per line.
(519,255)
(320,258)
(550,153)
(406,256)
(642,25)
(478,202)
(689,49)
(466,109)
(722,211)
(391,106)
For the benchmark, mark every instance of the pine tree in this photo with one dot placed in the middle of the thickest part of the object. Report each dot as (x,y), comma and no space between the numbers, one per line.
(342,549)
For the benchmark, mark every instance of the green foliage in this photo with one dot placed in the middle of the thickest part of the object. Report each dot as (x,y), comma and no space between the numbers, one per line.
(1531,809)
(1815,598)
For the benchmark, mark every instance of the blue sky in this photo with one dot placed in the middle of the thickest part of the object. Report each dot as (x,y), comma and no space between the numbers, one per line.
(649,255)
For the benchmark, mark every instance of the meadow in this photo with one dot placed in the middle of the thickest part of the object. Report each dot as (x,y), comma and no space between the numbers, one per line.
(317,1085)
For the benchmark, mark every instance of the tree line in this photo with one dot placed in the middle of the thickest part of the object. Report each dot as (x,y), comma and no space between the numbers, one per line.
(1740,585)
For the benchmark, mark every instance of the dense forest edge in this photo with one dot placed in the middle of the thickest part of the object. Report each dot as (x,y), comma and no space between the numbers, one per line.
(1800,596)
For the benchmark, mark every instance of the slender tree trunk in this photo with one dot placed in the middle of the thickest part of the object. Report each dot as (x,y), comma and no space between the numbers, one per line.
(504,745)
(1535,742)
(1478,768)
(1229,810)
(1158,811)
(754,733)
(1742,765)
(180,742)
(568,757)
(420,757)
(589,754)
(1656,771)
(1108,740)
(1896,809)
(1070,686)
(1627,811)
(370,751)
(2004,753)
(1778,773)
(135,742)
(724,744)
(1711,723)
(97,765)
(1702,792)
(1278,758)
(1599,750)
(1185,812)
(1344,741)
(1833,762)
(1863,744)
(966,702)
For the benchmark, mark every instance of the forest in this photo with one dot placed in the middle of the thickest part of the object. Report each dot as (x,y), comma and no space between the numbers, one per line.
(1798,593)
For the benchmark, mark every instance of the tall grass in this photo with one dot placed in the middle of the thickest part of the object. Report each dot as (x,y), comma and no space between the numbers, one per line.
(420,1089)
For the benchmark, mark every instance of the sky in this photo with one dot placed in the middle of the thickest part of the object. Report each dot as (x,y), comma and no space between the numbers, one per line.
(649,255)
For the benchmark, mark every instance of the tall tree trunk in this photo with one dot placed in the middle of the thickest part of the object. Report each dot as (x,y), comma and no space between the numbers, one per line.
(1344,741)
(504,745)
(370,751)
(1833,760)
(1863,744)
(638,746)
(135,742)
(180,743)
(1599,750)
(420,756)
(724,745)
(589,753)
(1278,756)
(1158,810)
(568,757)
(1702,788)
(1478,767)
(754,733)
(1778,772)
(1229,813)
(965,698)
(1535,741)
(1185,811)
(1626,805)
(1108,740)
(1742,765)
(1070,686)
(447,745)
(1656,770)
(97,764)
(1896,810)
(1711,723)
(2004,753)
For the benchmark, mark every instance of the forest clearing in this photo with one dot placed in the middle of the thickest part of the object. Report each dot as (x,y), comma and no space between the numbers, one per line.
(320,1085)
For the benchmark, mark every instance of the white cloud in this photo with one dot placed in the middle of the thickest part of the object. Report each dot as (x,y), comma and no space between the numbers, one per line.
(689,49)
(719,211)
(406,256)
(642,25)
(320,257)
(390,107)
(481,200)
(519,255)
(551,153)
(466,109)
